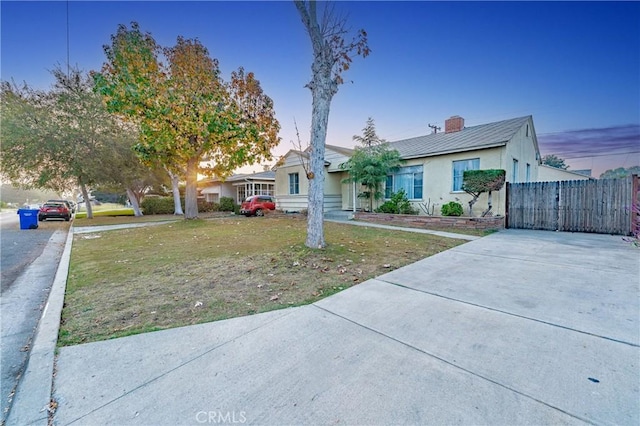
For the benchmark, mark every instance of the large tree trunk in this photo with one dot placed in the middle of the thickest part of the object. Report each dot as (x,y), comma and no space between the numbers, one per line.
(135,203)
(322,89)
(175,187)
(191,193)
(87,201)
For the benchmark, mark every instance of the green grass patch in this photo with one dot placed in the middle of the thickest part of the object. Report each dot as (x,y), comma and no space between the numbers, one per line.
(151,278)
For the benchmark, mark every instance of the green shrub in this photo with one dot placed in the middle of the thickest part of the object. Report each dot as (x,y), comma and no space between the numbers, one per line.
(397,204)
(157,205)
(207,207)
(227,204)
(452,208)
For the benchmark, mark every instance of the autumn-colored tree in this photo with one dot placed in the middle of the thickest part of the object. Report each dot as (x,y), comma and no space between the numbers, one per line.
(332,55)
(61,138)
(128,174)
(184,110)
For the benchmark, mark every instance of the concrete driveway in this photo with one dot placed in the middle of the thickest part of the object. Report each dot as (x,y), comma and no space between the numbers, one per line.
(520,327)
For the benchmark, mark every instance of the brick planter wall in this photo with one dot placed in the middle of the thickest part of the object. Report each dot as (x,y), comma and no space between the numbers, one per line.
(461,222)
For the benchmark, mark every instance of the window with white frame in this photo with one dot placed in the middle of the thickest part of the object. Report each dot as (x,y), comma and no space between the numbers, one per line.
(459,168)
(294,183)
(212,198)
(242,194)
(407,178)
(250,188)
(528,171)
(514,171)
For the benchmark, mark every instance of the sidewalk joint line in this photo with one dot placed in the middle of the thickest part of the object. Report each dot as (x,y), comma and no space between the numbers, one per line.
(455,365)
(624,342)
(166,373)
(459,249)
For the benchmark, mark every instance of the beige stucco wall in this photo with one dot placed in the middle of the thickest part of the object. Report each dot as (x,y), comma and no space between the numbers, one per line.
(227,190)
(221,189)
(333,193)
(522,147)
(333,182)
(282,179)
(553,174)
(438,181)
(438,173)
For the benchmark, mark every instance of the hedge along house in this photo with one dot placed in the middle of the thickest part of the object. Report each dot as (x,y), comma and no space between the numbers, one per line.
(238,186)
(292,185)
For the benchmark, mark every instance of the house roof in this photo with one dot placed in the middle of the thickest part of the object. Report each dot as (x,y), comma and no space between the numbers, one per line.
(581,173)
(268,175)
(340,150)
(305,154)
(470,138)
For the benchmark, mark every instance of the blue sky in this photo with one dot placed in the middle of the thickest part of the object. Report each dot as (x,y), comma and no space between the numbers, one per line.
(574,66)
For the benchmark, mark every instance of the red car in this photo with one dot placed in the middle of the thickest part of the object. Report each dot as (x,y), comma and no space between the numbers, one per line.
(54,210)
(257,204)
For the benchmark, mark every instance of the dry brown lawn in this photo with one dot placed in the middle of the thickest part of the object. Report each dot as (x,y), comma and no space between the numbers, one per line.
(136,280)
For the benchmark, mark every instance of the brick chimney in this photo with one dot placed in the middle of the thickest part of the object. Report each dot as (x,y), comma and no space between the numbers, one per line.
(453,124)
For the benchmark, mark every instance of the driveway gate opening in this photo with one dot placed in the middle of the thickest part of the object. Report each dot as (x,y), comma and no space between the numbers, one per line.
(601,206)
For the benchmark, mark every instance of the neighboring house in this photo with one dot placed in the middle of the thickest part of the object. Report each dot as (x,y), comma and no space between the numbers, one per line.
(238,187)
(292,185)
(554,174)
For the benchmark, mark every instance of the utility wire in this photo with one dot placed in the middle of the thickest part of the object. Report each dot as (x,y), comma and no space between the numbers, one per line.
(68,66)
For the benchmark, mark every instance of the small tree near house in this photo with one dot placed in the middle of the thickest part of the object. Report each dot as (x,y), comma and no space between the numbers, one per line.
(475,182)
(371,163)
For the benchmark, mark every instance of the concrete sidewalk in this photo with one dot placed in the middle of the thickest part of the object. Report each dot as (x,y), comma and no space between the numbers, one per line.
(520,327)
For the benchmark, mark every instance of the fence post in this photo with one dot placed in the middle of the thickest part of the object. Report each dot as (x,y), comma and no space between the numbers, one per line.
(506,209)
(635,204)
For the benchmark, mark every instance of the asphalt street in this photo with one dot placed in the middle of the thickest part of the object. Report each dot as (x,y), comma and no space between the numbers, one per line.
(24,293)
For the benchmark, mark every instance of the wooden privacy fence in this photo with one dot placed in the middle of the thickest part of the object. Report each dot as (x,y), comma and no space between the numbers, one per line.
(601,206)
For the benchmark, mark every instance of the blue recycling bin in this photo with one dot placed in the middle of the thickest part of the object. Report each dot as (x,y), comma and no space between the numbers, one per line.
(28,218)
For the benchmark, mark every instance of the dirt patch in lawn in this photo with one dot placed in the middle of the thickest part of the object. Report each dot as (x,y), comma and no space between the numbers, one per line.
(143,279)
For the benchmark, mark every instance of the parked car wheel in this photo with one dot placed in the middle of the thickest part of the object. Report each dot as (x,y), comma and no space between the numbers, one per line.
(259,212)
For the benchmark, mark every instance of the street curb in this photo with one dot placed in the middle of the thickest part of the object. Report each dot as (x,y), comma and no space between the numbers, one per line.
(33,394)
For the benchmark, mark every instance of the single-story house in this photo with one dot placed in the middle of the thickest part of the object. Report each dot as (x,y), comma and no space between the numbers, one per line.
(433,169)
(238,187)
